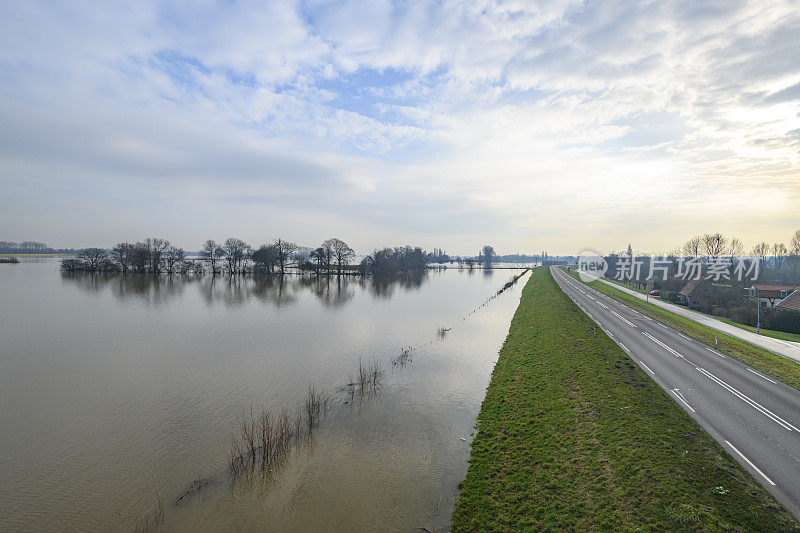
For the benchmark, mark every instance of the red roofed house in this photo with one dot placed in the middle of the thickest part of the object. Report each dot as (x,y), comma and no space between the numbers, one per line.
(771,295)
(689,293)
(791,302)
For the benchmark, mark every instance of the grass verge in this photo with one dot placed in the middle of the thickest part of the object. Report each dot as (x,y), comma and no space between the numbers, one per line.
(760,359)
(574,436)
(780,335)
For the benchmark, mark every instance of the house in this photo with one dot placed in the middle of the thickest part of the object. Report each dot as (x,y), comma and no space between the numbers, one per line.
(770,295)
(791,302)
(690,295)
(705,295)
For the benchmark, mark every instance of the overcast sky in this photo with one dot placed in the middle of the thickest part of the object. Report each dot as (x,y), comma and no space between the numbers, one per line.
(528,125)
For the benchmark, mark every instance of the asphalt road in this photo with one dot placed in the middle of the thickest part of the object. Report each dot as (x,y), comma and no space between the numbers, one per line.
(787,349)
(754,417)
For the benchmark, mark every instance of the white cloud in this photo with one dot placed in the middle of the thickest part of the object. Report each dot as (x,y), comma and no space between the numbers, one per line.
(555,125)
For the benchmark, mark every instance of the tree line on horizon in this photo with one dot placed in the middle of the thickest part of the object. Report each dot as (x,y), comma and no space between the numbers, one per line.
(31,247)
(777,262)
(234,256)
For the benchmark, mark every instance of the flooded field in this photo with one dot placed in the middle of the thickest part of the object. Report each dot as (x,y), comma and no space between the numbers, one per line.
(138,401)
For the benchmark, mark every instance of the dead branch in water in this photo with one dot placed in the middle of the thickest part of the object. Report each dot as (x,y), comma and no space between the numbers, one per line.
(266,439)
(153,520)
(404,357)
(196,486)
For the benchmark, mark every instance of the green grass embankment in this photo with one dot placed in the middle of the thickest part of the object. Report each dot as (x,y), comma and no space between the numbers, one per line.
(572,435)
(760,359)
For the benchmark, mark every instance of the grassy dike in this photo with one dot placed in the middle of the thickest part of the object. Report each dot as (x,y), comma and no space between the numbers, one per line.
(573,435)
(760,359)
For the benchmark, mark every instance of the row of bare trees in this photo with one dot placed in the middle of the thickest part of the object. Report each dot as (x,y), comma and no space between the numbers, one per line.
(715,245)
(777,261)
(782,260)
(151,255)
(233,256)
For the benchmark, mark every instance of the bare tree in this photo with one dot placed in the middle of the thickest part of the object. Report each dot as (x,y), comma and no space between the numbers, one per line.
(236,254)
(139,256)
(284,251)
(341,252)
(156,248)
(714,245)
(265,258)
(794,251)
(319,255)
(794,244)
(692,246)
(327,246)
(779,251)
(735,247)
(761,251)
(173,258)
(123,254)
(212,253)
(94,258)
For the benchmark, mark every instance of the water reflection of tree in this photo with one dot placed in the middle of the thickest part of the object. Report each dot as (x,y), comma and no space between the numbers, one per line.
(383,286)
(152,289)
(234,291)
(333,292)
(280,291)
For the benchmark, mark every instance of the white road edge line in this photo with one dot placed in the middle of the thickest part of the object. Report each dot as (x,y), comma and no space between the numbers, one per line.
(749,401)
(624,347)
(631,324)
(715,352)
(751,463)
(646,367)
(759,375)
(670,350)
(679,396)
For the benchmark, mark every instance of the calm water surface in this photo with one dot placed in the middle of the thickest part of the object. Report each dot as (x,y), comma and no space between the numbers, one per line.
(118,390)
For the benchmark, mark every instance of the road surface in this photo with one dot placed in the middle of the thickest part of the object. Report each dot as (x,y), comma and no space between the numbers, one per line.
(754,417)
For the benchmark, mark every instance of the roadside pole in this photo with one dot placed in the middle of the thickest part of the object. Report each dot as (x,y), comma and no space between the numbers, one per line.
(758,313)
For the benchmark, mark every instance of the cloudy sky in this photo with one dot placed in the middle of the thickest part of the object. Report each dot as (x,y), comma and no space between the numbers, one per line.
(528,125)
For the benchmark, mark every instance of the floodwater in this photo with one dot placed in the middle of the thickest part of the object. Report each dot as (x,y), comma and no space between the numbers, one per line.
(117,392)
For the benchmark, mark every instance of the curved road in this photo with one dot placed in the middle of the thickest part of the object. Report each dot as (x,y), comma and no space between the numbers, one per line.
(754,417)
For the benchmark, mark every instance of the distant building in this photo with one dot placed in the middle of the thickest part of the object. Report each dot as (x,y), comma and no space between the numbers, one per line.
(689,295)
(699,293)
(771,295)
(704,295)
